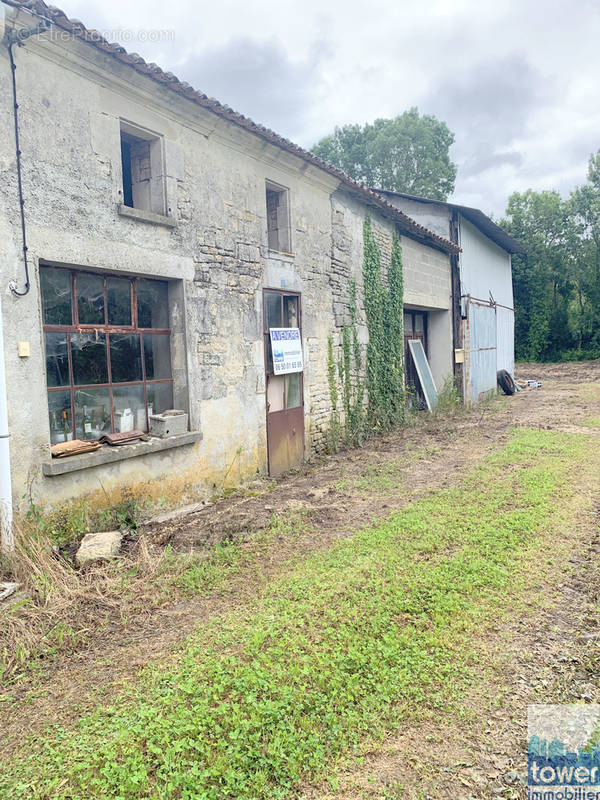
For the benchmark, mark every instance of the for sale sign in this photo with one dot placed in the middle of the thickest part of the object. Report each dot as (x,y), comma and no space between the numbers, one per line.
(286,346)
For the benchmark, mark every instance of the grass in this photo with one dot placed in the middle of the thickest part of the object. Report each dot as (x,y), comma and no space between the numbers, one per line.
(64,606)
(335,655)
(591,422)
(388,475)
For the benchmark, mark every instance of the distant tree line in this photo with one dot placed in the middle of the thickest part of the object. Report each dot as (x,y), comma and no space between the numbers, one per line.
(557,284)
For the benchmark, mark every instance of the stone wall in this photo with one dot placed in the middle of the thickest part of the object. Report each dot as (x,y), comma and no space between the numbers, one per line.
(213,251)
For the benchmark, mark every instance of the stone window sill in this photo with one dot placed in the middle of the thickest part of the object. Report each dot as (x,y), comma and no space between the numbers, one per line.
(108,454)
(281,255)
(146,216)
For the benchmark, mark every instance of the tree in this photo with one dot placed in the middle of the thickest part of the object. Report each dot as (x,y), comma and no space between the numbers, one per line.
(543,279)
(410,153)
(585,205)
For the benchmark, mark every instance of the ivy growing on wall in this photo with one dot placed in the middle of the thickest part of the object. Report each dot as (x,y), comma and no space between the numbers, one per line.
(373,394)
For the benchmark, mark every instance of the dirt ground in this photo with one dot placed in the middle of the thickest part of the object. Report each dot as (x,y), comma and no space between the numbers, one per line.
(332,498)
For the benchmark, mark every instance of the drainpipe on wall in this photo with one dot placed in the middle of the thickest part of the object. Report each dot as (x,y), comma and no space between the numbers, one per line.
(7,542)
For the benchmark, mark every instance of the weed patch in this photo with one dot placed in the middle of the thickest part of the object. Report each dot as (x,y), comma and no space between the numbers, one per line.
(337,653)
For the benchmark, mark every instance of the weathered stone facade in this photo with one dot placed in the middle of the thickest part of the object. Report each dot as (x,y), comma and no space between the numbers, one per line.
(211,246)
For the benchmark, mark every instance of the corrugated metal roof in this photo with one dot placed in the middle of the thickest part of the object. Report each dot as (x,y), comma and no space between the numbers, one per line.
(475,217)
(407,225)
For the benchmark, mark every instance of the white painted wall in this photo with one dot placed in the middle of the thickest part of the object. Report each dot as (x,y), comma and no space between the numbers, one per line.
(484,267)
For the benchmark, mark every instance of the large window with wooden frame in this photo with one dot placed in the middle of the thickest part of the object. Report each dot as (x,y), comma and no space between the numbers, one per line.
(108,352)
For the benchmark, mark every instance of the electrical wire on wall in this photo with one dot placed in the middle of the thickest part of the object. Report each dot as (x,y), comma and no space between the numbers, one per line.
(17,37)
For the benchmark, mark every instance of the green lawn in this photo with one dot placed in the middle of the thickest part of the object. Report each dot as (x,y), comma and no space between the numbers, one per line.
(382,625)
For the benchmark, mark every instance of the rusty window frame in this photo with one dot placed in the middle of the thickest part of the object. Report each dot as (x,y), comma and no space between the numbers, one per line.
(106,330)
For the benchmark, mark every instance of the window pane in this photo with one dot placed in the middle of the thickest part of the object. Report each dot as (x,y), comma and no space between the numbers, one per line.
(88,352)
(92,413)
(290,312)
(125,357)
(152,304)
(160,397)
(90,299)
(293,395)
(56,296)
(130,412)
(272,311)
(408,328)
(57,359)
(157,353)
(275,393)
(118,292)
(59,413)
(419,323)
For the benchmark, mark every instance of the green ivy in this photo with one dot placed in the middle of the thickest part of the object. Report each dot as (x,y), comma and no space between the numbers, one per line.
(381,379)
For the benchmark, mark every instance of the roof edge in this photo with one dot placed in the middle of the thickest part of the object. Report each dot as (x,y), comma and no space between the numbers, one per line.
(409,226)
(475,216)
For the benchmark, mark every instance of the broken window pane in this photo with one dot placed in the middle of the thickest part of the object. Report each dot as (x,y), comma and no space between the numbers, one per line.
(275,390)
(293,393)
(59,415)
(157,354)
(130,410)
(56,296)
(160,397)
(92,412)
(290,312)
(88,353)
(90,299)
(153,304)
(118,291)
(57,359)
(125,357)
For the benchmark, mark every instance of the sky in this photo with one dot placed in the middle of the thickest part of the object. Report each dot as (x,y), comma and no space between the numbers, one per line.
(517,81)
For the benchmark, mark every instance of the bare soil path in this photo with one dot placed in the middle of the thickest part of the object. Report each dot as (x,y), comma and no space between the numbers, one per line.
(559,656)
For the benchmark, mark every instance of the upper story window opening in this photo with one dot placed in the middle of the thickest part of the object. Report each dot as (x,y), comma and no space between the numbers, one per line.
(142,162)
(278,218)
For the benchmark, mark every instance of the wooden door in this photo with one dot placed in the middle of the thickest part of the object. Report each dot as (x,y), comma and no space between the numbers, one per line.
(415,327)
(285,393)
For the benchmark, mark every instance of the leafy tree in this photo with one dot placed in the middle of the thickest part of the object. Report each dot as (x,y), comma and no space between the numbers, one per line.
(557,285)
(544,224)
(585,205)
(410,153)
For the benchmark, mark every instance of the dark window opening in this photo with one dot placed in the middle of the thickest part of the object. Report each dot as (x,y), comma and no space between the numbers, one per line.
(143,172)
(278,218)
(126,165)
(108,352)
(415,327)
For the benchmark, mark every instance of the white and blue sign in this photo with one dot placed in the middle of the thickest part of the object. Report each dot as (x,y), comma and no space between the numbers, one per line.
(287,350)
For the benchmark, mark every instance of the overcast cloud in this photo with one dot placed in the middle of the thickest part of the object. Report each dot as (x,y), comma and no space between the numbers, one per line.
(516,80)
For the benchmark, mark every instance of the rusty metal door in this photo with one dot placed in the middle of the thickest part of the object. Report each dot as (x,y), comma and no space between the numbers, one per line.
(415,327)
(285,393)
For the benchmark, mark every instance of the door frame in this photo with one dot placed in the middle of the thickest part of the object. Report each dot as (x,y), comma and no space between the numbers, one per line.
(265,331)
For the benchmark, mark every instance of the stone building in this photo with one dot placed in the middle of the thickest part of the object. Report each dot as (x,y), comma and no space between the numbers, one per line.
(484,315)
(166,235)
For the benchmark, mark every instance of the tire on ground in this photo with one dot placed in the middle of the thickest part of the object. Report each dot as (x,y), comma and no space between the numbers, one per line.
(506,382)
